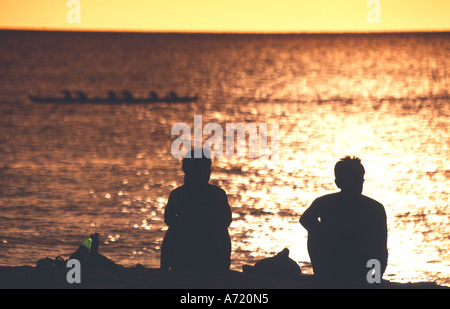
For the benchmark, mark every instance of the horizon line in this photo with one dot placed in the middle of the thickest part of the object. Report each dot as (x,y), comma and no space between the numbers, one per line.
(131,31)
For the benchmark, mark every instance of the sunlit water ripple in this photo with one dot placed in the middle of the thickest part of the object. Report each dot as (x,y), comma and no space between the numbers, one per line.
(69,170)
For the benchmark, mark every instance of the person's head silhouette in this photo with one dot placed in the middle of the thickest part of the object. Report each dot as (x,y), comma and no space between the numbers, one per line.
(349,175)
(197,170)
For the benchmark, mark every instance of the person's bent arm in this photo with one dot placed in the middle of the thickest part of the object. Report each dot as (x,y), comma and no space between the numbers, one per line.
(170,213)
(382,239)
(310,218)
(223,216)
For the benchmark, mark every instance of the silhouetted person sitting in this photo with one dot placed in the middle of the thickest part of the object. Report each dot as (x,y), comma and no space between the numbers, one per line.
(346,229)
(81,96)
(198,216)
(154,96)
(173,96)
(127,96)
(67,95)
(112,96)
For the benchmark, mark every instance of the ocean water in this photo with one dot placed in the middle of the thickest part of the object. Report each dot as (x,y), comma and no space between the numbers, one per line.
(67,170)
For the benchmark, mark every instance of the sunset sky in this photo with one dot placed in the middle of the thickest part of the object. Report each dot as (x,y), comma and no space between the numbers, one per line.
(228,15)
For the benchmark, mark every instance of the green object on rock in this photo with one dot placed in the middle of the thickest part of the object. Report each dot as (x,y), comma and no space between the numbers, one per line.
(87,243)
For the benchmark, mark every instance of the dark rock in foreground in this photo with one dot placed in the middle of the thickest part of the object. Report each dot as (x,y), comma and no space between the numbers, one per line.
(139,277)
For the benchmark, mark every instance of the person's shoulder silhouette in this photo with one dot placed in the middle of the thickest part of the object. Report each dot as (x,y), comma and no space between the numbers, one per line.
(346,229)
(198,216)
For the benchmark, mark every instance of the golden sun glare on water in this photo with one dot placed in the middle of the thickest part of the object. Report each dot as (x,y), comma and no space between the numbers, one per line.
(267,202)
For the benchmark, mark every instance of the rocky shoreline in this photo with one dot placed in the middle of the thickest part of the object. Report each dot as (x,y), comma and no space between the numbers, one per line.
(139,277)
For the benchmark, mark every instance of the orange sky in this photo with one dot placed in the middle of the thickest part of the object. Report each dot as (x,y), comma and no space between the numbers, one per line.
(228,15)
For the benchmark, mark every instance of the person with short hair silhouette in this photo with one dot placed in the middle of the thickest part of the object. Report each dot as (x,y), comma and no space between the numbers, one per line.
(198,216)
(346,229)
